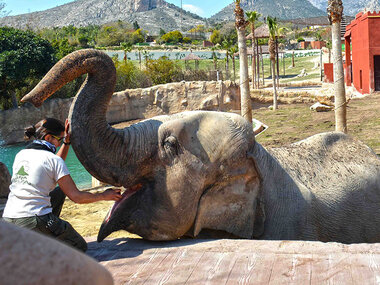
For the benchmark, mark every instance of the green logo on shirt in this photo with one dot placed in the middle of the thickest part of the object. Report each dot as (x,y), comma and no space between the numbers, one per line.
(22,172)
(21,177)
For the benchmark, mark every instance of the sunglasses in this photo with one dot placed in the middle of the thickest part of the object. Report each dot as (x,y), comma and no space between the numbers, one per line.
(57,138)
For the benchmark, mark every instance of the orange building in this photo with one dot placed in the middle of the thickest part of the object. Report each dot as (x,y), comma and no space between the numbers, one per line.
(362,44)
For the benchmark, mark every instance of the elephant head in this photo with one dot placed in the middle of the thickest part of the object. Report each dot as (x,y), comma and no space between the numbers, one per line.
(182,173)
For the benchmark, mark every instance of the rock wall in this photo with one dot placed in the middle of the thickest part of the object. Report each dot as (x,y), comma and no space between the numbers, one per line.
(5,180)
(131,104)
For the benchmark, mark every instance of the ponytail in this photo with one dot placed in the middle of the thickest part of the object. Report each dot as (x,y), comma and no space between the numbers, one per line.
(44,127)
(29,132)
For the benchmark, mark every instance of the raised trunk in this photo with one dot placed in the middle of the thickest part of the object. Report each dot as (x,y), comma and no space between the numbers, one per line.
(106,153)
(339,88)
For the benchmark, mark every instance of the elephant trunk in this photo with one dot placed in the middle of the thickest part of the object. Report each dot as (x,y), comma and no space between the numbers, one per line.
(101,149)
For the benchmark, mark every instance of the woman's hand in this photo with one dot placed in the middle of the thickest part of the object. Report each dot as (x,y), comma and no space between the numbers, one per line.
(112,194)
(67,132)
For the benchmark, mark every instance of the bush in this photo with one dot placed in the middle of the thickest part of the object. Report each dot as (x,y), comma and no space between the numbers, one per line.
(129,76)
(172,37)
(163,71)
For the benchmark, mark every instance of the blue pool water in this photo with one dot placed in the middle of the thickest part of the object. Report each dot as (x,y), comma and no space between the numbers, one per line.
(80,175)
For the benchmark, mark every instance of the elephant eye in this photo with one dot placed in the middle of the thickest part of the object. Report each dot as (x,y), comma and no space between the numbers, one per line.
(171,146)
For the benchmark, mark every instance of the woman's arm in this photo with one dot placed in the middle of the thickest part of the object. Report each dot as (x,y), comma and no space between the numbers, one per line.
(63,151)
(70,189)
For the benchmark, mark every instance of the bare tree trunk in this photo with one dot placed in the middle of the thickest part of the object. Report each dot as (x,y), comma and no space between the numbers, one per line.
(246,105)
(253,65)
(277,64)
(234,67)
(293,64)
(272,53)
(258,64)
(275,105)
(339,88)
(329,55)
(241,24)
(262,65)
(227,66)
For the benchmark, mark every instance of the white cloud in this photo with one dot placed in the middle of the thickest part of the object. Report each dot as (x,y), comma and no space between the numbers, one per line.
(193,9)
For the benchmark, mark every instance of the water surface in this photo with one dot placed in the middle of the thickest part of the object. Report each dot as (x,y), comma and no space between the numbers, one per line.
(79,174)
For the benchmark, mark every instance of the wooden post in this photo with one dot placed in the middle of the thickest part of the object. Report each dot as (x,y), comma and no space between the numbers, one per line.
(277,64)
(258,64)
(293,64)
(262,65)
(320,65)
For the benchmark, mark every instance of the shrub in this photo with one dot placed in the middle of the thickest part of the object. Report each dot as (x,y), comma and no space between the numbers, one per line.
(172,37)
(129,76)
(162,71)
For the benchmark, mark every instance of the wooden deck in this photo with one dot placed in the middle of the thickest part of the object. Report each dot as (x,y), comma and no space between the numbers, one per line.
(133,261)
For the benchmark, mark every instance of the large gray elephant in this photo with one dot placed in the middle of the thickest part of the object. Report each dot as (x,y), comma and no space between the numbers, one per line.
(202,173)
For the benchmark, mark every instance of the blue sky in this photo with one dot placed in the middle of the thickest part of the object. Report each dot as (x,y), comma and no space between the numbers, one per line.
(204,8)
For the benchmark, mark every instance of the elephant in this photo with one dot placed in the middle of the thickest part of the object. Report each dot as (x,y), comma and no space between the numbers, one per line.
(28,257)
(202,173)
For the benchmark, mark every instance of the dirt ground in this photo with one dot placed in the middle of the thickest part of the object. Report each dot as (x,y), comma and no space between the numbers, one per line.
(294,122)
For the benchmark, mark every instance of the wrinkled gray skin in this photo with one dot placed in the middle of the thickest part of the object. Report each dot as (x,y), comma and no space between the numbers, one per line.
(201,173)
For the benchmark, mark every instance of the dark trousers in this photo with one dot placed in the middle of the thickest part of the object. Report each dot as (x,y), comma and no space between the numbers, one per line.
(51,225)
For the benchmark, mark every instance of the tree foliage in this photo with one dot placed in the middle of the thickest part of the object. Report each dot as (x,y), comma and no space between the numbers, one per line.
(23,56)
(216,37)
(162,70)
(172,37)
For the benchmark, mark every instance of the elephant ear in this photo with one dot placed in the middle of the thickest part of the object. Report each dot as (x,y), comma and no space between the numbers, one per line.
(231,208)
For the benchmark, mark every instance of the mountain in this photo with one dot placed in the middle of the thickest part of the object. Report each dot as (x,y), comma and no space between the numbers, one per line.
(151,15)
(282,9)
(350,7)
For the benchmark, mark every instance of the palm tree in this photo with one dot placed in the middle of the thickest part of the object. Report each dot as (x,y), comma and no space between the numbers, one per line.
(252,17)
(127,47)
(214,58)
(140,49)
(226,44)
(241,24)
(146,55)
(232,51)
(272,25)
(335,11)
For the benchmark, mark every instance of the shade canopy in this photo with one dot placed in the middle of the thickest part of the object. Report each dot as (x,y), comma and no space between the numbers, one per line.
(192,56)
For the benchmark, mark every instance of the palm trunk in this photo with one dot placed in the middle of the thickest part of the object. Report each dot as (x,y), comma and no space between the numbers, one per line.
(275,105)
(277,64)
(262,65)
(253,65)
(272,52)
(227,67)
(246,108)
(234,67)
(258,64)
(241,24)
(339,88)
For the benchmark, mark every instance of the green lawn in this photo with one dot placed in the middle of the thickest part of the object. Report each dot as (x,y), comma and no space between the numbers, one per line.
(287,73)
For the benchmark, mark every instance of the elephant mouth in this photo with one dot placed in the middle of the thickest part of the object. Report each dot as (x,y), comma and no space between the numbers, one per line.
(126,194)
